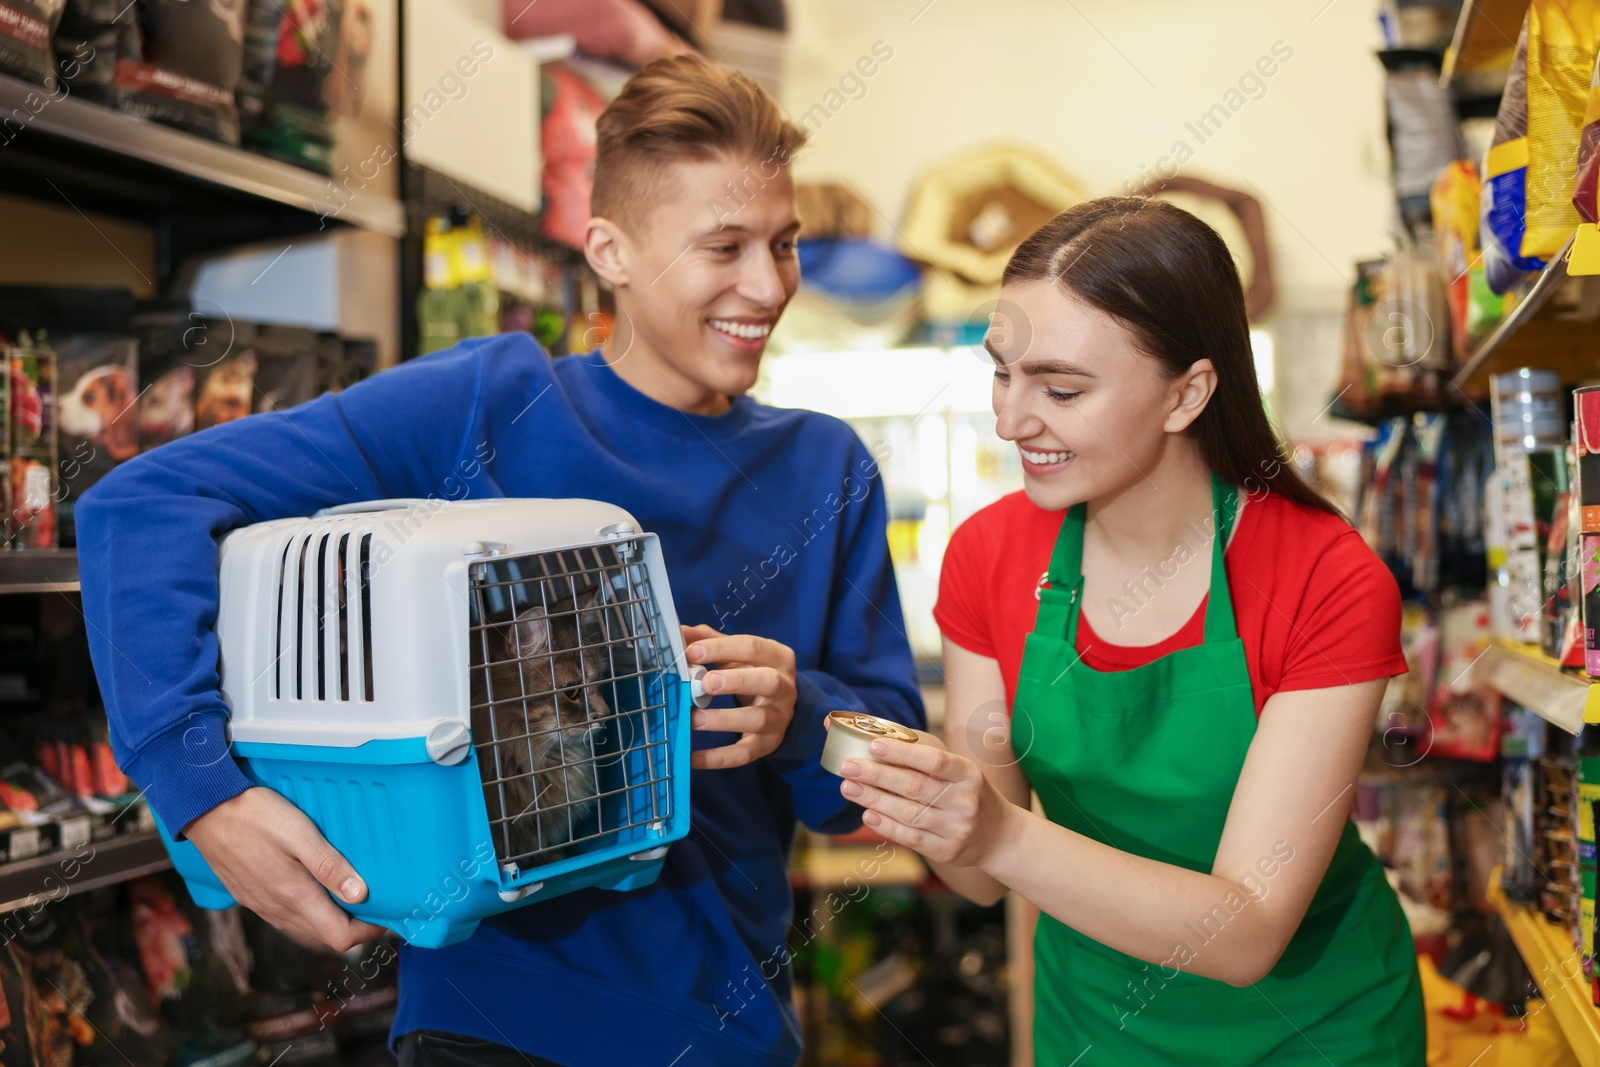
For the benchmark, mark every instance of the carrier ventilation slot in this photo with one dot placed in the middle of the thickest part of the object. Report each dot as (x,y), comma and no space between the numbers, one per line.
(324,619)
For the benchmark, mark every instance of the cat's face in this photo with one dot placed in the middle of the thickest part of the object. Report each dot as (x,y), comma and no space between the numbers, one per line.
(539,667)
(543,661)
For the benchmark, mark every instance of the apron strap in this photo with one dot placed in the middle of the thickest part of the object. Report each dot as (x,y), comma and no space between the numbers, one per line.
(1059,605)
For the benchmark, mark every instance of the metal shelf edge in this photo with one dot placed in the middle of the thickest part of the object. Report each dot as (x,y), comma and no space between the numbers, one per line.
(1535,683)
(208,161)
(1548,281)
(118,860)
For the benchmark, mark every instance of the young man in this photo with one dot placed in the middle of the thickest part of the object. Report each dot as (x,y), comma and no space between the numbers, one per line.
(772,525)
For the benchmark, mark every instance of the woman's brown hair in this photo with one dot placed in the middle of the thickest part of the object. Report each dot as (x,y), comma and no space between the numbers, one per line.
(1169,279)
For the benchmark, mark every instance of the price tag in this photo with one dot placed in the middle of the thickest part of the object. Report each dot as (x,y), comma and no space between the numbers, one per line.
(24,842)
(75,832)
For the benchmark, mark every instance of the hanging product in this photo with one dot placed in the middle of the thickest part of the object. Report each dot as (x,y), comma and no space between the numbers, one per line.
(1563,38)
(1455,198)
(969,214)
(1505,173)
(346,637)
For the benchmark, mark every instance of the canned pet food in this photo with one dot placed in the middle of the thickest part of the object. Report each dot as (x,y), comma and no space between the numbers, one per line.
(850,733)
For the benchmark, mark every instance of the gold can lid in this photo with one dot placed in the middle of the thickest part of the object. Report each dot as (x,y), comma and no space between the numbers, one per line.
(867,727)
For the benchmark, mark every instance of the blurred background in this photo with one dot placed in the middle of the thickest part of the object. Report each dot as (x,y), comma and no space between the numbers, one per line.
(209,209)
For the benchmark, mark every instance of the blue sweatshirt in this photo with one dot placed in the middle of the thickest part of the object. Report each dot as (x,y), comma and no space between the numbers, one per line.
(771,522)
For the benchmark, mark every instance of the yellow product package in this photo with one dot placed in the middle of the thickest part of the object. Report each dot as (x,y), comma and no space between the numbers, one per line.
(1563,38)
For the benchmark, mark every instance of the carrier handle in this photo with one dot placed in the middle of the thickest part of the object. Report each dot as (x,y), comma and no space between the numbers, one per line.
(360,506)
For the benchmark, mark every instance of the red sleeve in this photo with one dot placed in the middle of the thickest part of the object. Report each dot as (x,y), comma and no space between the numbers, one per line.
(965,596)
(1347,628)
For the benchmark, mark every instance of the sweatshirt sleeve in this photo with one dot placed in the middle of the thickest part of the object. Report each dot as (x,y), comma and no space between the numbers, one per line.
(866,663)
(147,551)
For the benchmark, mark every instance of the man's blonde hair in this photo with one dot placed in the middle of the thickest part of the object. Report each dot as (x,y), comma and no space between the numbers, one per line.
(681,109)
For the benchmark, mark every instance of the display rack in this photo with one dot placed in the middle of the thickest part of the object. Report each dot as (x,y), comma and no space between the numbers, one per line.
(52,570)
(1537,682)
(55,875)
(1547,951)
(201,194)
(1530,298)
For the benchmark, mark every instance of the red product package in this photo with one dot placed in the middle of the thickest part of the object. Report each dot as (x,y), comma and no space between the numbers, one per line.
(48,758)
(17,798)
(568,141)
(109,781)
(1586,193)
(1464,712)
(80,779)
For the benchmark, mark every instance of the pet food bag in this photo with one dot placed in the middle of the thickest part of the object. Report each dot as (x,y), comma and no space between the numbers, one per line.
(1563,37)
(225,390)
(85,45)
(31,518)
(286,367)
(1503,215)
(286,95)
(25,30)
(97,377)
(172,342)
(182,65)
(1586,192)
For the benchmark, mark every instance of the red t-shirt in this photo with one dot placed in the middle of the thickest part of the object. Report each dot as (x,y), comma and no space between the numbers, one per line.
(1314,605)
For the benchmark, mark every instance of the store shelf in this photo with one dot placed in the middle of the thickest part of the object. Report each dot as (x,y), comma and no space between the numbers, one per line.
(54,875)
(1542,286)
(1485,39)
(1557,968)
(1535,681)
(44,571)
(89,158)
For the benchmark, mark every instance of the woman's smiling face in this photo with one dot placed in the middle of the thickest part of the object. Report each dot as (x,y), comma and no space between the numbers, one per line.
(1089,411)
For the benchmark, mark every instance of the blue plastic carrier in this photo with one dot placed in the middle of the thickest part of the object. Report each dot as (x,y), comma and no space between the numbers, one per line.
(349,643)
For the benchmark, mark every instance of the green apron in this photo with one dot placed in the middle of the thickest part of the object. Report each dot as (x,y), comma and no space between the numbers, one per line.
(1146,761)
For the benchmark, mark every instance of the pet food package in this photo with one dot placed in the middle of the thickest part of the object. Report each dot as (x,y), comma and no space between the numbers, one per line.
(1503,213)
(126,1028)
(287,98)
(1589,562)
(97,379)
(25,30)
(1464,712)
(172,342)
(1523,572)
(85,44)
(1586,401)
(1563,37)
(182,65)
(344,361)
(1586,191)
(225,390)
(196,963)
(31,519)
(287,370)
(1455,200)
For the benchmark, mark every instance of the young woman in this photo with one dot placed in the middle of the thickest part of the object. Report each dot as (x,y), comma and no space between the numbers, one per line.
(1192,719)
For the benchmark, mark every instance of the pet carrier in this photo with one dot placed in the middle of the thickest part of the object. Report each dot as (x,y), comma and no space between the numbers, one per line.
(481,704)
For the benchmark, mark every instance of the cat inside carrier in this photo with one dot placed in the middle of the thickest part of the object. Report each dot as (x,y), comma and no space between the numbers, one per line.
(480,704)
